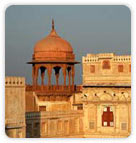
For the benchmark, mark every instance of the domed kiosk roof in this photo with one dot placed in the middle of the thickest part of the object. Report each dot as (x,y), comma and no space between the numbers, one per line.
(53,48)
(53,43)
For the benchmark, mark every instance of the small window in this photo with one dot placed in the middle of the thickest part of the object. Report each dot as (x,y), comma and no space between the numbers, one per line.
(42,108)
(106,64)
(120,68)
(92,68)
(80,107)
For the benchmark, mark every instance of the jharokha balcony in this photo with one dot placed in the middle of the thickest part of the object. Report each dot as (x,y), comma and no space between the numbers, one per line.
(53,88)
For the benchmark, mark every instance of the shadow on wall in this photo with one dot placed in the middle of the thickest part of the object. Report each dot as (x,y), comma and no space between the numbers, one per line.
(33,127)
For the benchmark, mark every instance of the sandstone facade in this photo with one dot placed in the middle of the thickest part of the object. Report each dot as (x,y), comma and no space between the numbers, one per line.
(15,107)
(106,95)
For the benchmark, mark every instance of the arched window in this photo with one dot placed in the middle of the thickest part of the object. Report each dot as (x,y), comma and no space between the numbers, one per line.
(107,117)
(106,64)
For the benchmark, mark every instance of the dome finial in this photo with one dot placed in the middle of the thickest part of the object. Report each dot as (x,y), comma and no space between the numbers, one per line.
(52,24)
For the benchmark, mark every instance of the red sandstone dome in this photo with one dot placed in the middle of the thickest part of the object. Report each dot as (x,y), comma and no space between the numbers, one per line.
(53,47)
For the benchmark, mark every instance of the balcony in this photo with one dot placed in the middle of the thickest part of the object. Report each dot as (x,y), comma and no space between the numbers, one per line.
(53,88)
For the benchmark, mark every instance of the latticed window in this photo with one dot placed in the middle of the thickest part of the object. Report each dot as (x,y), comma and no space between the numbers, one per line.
(106,64)
(92,68)
(120,68)
(107,117)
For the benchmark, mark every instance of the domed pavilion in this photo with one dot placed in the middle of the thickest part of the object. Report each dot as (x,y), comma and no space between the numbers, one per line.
(53,53)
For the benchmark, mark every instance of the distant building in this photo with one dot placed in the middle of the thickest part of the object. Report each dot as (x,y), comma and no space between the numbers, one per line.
(15,107)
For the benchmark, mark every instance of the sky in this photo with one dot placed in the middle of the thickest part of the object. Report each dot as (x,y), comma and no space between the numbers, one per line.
(89,29)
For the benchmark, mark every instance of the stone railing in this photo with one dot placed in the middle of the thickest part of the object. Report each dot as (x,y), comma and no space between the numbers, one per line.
(53,88)
(47,114)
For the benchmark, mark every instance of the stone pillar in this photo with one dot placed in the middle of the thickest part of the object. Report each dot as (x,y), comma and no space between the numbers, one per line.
(99,118)
(57,79)
(117,123)
(57,75)
(73,75)
(96,117)
(64,74)
(36,75)
(33,73)
(69,77)
(49,70)
(129,117)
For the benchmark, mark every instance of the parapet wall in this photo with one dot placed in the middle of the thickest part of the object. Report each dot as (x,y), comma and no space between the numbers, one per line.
(106,69)
(14,81)
(97,57)
(15,106)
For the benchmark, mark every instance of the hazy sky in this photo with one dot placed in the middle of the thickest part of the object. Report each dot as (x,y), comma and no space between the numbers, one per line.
(89,29)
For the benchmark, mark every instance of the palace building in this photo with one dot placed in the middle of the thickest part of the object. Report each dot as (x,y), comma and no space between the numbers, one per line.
(50,114)
(106,95)
(100,107)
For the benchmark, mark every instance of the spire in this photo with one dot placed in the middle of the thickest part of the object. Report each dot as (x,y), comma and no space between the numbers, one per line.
(53,31)
(52,24)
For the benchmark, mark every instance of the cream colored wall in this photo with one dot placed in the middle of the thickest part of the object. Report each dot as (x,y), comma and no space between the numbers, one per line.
(55,105)
(106,76)
(94,104)
(55,124)
(15,106)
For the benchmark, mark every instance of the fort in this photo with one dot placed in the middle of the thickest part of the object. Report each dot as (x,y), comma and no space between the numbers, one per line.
(100,107)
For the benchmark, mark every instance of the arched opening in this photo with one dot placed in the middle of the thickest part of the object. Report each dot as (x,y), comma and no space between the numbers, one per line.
(42,76)
(69,75)
(57,74)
